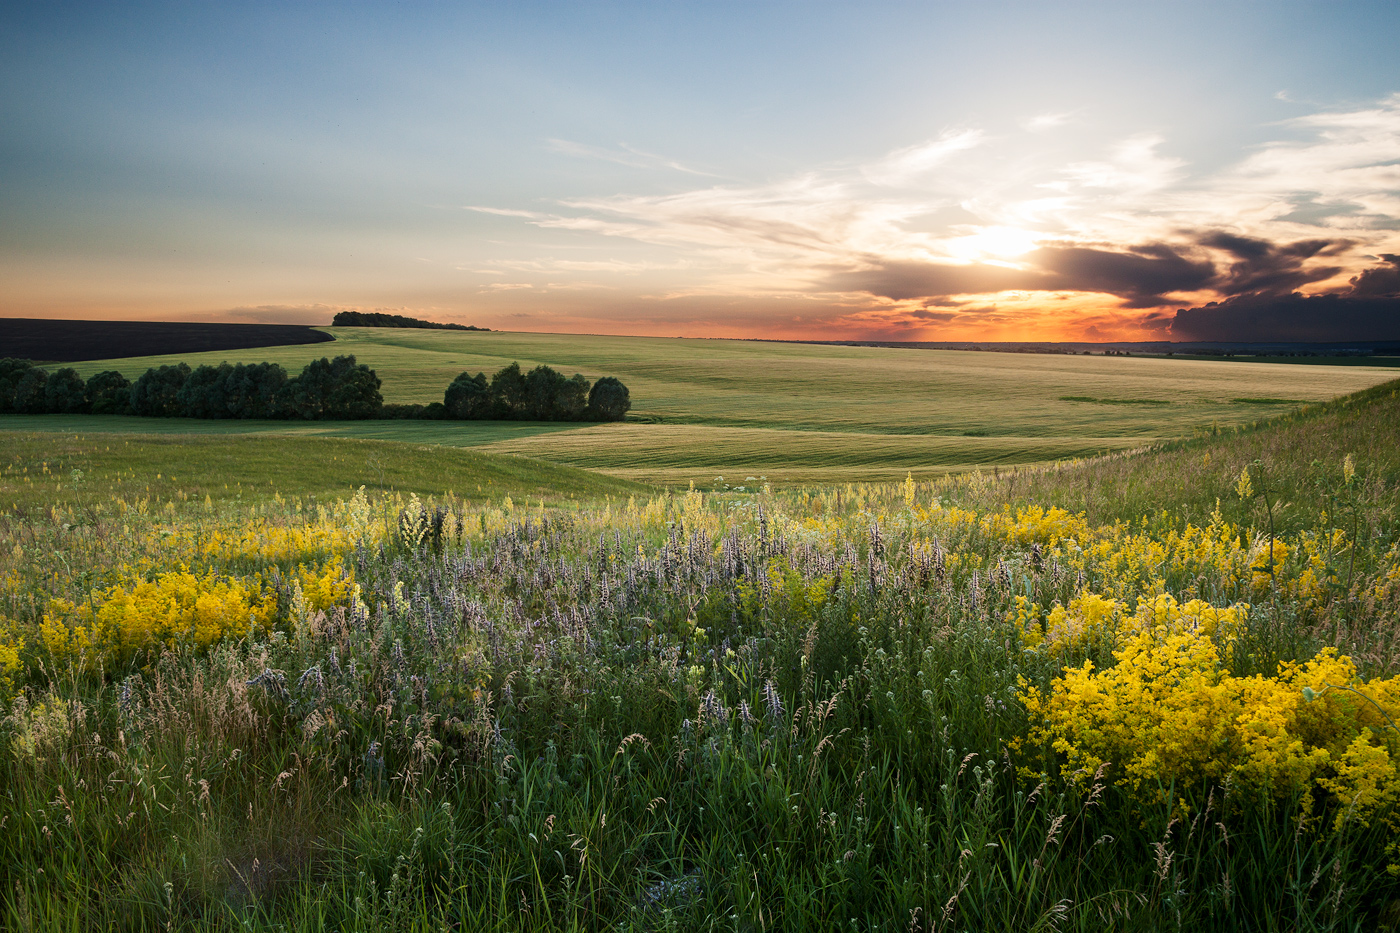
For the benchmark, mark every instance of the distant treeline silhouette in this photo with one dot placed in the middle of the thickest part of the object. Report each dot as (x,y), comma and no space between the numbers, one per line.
(539,395)
(376,319)
(338,389)
(325,389)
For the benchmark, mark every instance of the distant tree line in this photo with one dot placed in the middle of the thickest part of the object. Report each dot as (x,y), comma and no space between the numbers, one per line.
(542,394)
(325,389)
(338,389)
(376,319)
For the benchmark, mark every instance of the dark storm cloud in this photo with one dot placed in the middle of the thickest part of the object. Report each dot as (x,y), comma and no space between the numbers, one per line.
(1140,276)
(1290,318)
(1269,268)
(1378,281)
(1369,310)
(902,281)
(1258,284)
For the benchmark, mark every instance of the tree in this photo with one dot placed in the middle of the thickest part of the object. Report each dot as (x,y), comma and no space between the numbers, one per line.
(379,319)
(508,392)
(11,372)
(355,390)
(29,397)
(251,390)
(609,400)
(333,389)
(245,390)
(203,393)
(65,393)
(571,400)
(157,393)
(109,393)
(468,398)
(542,389)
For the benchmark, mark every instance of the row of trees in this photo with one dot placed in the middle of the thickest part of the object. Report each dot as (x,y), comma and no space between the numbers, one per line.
(379,319)
(325,389)
(542,394)
(338,389)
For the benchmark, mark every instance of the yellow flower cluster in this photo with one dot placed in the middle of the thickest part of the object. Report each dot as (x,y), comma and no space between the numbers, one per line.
(1266,564)
(123,623)
(1168,715)
(270,543)
(10,647)
(325,586)
(1037,525)
(1090,618)
(1129,562)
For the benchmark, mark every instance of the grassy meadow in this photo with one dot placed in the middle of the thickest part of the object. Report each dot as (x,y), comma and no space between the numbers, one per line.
(850,413)
(1152,690)
(83,472)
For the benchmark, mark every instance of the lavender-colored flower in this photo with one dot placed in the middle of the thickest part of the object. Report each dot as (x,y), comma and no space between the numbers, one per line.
(776,712)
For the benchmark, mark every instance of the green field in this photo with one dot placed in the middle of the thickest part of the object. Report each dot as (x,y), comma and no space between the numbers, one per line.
(948,705)
(713,457)
(794,412)
(46,470)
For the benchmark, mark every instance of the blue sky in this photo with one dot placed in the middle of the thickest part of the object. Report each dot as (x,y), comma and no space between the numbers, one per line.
(906,171)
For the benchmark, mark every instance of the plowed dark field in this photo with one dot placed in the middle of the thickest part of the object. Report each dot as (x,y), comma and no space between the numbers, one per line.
(68,341)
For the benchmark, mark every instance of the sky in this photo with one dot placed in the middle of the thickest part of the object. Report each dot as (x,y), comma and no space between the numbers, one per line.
(806,170)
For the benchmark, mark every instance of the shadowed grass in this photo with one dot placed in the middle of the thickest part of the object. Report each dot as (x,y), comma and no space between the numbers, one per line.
(409,431)
(41,471)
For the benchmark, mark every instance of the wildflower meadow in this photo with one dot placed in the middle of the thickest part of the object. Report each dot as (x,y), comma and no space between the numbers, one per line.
(1152,691)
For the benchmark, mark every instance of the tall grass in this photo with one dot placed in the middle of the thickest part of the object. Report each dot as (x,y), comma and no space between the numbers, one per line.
(767,711)
(1299,456)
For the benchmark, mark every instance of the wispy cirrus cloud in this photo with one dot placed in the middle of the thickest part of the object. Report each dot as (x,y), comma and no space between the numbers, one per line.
(1049,121)
(624,154)
(912,163)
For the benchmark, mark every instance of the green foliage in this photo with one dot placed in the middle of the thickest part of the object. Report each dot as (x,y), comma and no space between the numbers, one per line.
(551,397)
(29,396)
(433,412)
(28,389)
(157,393)
(539,395)
(508,391)
(234,391)
(609,400)
(65,393)
(12,371)
(333,389)
(325,389)
(468,398)
(109,393)
(379,319)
